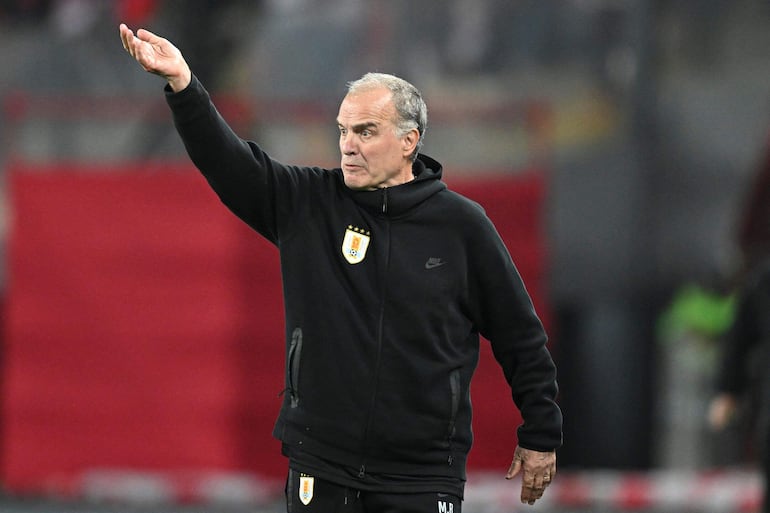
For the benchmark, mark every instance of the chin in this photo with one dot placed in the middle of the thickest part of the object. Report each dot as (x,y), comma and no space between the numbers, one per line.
(352,183)
(358,187)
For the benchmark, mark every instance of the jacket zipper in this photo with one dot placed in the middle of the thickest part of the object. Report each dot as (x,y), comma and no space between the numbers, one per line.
(385,200)
(295,352)
(380,329)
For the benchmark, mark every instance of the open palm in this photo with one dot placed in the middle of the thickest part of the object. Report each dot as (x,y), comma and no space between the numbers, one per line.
(156,55)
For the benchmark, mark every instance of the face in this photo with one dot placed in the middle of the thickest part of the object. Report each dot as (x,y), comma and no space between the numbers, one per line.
(373,156)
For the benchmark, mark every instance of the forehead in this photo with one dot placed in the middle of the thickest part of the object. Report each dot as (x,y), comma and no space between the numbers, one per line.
(370,105)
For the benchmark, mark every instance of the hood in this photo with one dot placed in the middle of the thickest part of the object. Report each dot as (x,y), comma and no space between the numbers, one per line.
(394,201)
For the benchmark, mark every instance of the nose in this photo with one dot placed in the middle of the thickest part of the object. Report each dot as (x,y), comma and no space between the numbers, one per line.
(347,144)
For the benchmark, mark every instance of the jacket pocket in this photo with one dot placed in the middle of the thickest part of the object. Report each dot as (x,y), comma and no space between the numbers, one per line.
(454,394)
(293,360)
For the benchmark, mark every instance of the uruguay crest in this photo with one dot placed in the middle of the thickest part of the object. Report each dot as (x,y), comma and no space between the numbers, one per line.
(305,488)
(355,243)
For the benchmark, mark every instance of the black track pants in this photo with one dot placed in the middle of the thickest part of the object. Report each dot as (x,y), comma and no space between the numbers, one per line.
(306,494)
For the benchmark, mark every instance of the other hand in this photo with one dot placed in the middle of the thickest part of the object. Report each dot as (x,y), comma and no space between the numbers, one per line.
(722,411)
(538,470)
(157,55)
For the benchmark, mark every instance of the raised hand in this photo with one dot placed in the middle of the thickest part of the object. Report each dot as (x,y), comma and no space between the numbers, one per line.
(157,55)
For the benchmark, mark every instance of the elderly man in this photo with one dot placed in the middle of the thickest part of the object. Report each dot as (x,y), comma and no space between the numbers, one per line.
(389,281)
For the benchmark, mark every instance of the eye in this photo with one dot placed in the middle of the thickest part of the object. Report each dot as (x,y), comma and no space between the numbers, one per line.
(343,131)
(366,133)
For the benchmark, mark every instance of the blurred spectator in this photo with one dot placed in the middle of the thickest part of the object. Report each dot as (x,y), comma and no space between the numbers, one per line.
(468,41)
(690,331)
(75,18)
(743,374)
(704,310)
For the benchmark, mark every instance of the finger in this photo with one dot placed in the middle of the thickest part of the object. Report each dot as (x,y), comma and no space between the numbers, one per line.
(528,478)
(130,42)
(529,495)
(149,37)
(125,36)
(533,485)
(547,475)
(550,473)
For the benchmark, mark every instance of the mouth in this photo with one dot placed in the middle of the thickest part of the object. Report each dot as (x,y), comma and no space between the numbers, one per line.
(352,167)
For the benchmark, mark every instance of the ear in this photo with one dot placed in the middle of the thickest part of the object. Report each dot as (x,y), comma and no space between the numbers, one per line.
(409,141)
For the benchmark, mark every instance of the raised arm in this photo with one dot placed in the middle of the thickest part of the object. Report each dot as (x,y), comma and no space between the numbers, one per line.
(157,55)
(244,177)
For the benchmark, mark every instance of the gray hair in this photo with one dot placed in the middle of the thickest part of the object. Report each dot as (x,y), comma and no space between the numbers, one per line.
(410,107)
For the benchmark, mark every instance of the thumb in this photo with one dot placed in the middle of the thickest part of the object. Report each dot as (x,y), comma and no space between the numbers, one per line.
(514,469)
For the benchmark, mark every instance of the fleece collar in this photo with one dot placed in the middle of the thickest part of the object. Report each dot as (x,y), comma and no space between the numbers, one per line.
(399,199)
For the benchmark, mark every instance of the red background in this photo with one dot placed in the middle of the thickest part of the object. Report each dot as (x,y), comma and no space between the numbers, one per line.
(144,325)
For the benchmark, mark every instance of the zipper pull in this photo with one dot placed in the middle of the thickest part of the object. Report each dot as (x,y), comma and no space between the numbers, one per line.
(384,200)
(362,472)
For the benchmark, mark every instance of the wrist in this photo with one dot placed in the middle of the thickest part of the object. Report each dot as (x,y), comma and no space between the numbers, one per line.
(179,82)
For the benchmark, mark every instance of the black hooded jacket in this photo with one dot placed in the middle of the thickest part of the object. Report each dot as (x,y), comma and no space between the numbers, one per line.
(386,293)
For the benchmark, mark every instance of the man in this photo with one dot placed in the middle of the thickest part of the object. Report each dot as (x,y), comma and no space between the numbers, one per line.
(389,279)
(743,366)
(741,375)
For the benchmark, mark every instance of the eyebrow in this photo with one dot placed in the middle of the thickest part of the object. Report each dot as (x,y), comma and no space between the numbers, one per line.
(361,126)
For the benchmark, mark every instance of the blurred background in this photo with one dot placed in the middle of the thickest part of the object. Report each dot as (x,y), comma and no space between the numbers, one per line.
(622,147)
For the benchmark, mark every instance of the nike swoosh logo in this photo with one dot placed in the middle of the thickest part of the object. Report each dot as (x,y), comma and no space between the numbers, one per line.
(432,263)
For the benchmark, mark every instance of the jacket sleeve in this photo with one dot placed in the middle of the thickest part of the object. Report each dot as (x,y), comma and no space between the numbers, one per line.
(744,336)
(256,188)
(507,318)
